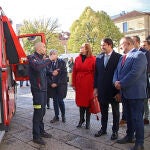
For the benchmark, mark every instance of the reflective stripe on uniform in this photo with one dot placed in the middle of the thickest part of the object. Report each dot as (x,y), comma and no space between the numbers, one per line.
(37,106)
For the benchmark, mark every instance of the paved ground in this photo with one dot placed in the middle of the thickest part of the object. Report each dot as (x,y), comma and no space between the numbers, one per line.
(65,135)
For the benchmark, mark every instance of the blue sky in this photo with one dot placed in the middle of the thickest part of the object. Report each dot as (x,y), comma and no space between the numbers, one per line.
(67,11)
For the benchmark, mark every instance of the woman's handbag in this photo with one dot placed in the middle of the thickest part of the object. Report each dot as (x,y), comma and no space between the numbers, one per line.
(94,106)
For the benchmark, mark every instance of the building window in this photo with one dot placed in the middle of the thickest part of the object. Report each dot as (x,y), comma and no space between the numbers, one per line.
(125,27)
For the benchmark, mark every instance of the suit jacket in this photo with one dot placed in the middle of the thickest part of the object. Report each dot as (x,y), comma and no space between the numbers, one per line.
(60,80)
(104,77)
(132,75)
(147,54)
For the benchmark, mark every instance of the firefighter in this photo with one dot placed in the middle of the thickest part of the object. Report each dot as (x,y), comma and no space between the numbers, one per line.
(38,80)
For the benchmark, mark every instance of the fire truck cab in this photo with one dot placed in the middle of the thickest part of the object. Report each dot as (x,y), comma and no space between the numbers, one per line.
(13,67)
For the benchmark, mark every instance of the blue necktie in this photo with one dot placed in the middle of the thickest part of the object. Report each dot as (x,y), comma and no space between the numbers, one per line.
(106,60)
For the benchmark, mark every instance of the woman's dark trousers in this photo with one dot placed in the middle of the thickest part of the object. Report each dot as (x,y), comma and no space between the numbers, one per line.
(82,111)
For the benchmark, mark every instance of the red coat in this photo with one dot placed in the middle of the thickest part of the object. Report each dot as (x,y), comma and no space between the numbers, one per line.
(83,80)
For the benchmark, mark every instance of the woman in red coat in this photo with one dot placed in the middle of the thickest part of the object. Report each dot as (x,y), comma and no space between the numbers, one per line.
(82,82)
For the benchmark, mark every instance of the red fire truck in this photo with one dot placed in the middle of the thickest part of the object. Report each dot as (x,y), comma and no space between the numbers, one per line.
(13,67)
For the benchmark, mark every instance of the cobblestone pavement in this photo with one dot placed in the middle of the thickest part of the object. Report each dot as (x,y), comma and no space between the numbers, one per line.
(65,136)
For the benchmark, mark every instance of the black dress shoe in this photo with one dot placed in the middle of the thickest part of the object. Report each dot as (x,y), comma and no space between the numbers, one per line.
(100,133)
(39,141)
(137,147)
(114,136)
(46,135)
(125,140)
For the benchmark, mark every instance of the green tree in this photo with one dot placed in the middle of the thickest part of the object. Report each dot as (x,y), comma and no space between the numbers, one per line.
(92,27)
(48,26)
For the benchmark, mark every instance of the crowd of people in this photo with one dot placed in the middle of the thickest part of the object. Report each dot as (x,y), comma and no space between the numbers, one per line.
(110,76)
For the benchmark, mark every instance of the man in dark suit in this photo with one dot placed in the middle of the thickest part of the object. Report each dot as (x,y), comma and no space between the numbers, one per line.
(57,85)
(106,63)
(136,40)
(130,78)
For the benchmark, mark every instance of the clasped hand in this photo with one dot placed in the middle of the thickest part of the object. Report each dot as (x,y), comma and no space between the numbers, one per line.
(53,85)
(55,72)
(117,85)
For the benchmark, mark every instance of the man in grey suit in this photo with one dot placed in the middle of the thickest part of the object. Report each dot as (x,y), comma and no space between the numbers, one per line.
(130,78)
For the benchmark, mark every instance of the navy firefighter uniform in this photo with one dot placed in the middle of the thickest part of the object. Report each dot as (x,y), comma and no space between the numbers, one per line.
(38,80)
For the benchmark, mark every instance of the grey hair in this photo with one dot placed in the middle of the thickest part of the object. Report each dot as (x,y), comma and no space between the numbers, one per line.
(53,51)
